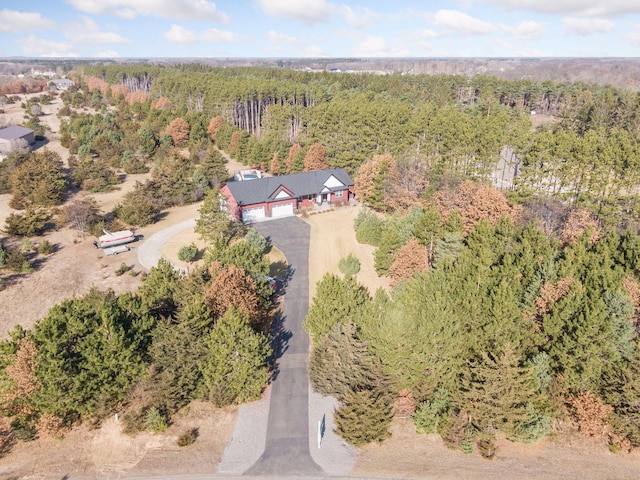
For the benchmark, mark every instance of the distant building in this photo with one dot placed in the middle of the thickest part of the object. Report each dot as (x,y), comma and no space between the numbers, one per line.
(63,83)
(14,137)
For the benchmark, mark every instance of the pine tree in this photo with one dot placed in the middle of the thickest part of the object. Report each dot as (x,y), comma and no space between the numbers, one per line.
(498,394)
(364,417)
(336,301)
(390,243)
(214,222)
(341,363)
(236,368)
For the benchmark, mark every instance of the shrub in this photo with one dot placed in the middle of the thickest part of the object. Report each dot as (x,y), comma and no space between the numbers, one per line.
(27,245)
(487,446)
(24,428)
(188,253)
(429,414)
(133,421)
(368,227)
(13,259)
(155,421)
(136,209)
(188,437)
(349,265)
(32,222)
(135,165)
(45,248)
(122,269)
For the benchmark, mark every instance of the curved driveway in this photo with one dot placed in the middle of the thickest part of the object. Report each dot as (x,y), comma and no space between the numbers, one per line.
(287,445)
(149,251)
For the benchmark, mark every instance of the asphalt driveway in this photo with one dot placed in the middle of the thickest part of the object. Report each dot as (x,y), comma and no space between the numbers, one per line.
(287,444)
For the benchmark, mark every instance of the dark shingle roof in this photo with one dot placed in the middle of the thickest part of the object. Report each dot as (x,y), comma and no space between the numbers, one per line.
(14,132)
(249,192)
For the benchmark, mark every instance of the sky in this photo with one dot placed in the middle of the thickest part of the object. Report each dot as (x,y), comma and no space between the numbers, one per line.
(319,28)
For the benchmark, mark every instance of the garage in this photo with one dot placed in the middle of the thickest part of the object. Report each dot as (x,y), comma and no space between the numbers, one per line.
(255,213)
(282,210)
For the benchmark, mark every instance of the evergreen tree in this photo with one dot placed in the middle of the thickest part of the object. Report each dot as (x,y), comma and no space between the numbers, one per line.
(336,301)
(214,222)
(499,394)
(341,363)
(236,368)
(364,417)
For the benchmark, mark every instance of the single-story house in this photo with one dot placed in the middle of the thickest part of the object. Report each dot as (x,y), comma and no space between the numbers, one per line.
(14,137)
(283,195)
(63,83)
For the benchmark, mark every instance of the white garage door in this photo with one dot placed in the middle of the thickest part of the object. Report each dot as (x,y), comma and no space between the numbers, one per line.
(282,210)
(252,214)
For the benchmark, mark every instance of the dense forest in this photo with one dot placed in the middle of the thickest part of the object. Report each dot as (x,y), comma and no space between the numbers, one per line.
(438,127)
(511,311)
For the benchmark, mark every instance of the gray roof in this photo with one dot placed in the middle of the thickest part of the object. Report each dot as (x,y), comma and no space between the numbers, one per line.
(14,132)
(249,192)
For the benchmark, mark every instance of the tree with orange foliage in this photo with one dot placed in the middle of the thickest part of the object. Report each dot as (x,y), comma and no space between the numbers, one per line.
(22,379)
(215,124)
(406,185)
(577,223)
(136,97)
(117,90)
(371,183)
(590,413)
(409,260)
(230,285)
(178,130)
(275,164)
(475,202)
(315,158)
(235,139)
(162,103)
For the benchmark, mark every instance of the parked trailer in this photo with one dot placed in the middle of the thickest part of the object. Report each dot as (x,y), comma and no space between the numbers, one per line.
(116,250)
(110,239)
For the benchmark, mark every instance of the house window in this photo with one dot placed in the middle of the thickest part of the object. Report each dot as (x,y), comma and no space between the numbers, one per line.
(339,193)
(310,197)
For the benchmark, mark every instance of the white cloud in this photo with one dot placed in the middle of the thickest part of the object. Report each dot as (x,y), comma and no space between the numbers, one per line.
(173,9)
(179,34)
(574,7)
(39,47)
(586,26)
(360,17)
(426,34)
(88,31)
(308,11)
(12,21)
(461,23)
(526,30)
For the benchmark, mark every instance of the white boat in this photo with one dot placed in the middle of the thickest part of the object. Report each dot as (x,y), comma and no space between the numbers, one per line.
(110,239)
